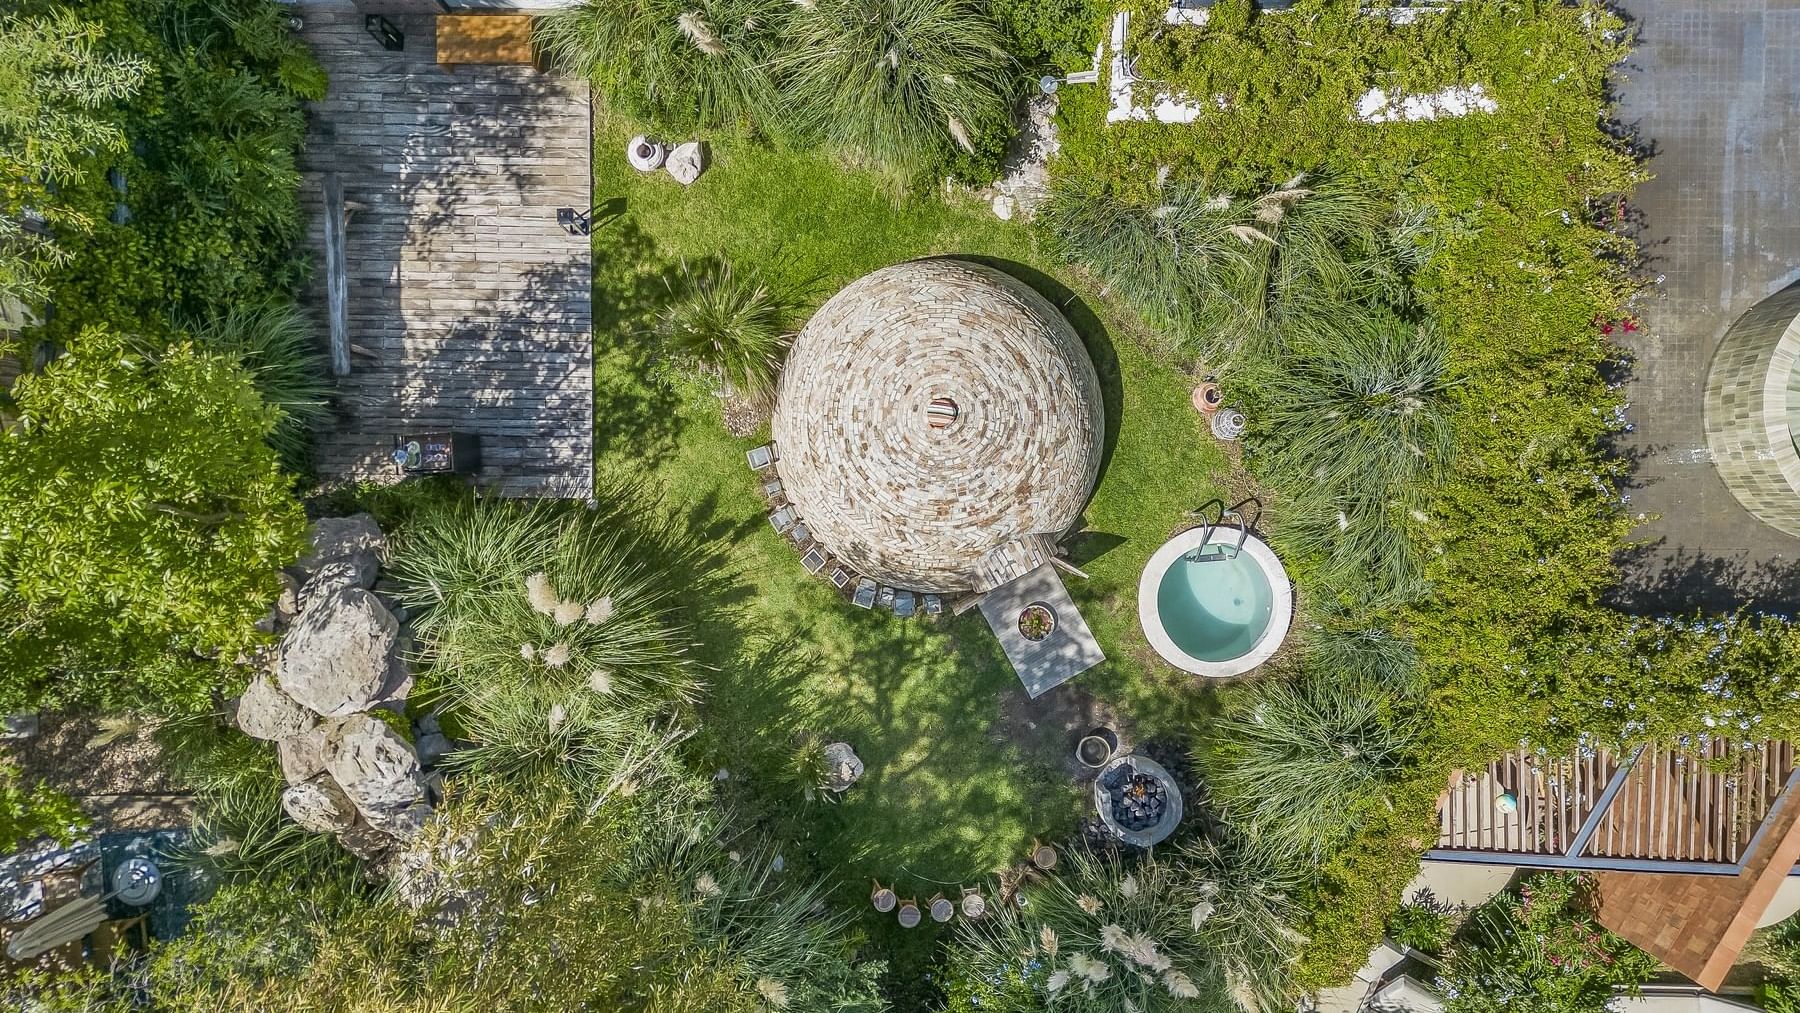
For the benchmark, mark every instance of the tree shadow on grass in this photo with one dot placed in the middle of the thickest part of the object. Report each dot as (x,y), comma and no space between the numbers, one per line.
(636,413)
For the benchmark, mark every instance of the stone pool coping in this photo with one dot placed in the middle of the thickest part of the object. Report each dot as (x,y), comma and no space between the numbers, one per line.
(1150,616)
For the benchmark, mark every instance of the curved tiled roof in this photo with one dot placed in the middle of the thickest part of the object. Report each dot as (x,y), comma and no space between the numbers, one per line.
(936,420)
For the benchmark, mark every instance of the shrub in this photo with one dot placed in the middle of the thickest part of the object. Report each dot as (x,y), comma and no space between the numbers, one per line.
(1060,33)
(1423,923)
(732,327)
(30,813)
(678,63)
(142,522)
(1246,912)
(1297,759)
(274,343)
(893,83)
(1540,952)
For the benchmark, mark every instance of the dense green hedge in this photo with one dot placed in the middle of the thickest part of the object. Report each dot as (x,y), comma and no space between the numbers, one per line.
(144,516)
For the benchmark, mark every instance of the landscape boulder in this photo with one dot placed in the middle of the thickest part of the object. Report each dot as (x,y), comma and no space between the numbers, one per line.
(380,773)
(319,805)
(302,756)
(335,538)
(265,712)
(843,767)
(687,162)
(358,570)
(339,658)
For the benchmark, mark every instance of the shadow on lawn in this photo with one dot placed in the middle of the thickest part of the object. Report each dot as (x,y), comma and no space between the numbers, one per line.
(635,412)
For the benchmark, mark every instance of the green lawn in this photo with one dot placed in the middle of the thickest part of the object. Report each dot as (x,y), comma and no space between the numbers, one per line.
(952,792)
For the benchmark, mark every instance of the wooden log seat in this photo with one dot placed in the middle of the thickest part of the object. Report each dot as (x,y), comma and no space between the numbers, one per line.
(485,39)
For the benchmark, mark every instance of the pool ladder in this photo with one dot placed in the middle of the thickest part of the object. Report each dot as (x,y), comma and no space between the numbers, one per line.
(1219,514)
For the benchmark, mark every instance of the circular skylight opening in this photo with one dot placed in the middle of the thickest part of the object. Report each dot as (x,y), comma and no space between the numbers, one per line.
(941,413)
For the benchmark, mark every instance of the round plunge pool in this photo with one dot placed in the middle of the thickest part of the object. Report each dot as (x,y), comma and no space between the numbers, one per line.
(1213,611)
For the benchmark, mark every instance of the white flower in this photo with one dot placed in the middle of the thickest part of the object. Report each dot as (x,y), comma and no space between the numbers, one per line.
(1093,970)
(773,992)
(1114,939)
(1128,887)
(527,651)
(1057,981)
(1202,912)
(568,611)
(705,885)
(600,681)
(558,714)
(599,610)
(1180,985)
(961,135)
(1088,903)
(700,34)
(1047,939)
(557,656)
(539,592)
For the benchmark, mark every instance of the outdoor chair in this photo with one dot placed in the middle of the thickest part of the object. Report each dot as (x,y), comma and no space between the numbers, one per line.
(974,905)
(865,594)
(909,914)
(904,604)
(840,576)
(882,898)
(784,519)
(934,605)
(887,599)
(761,457)
(941,909)
(814,560)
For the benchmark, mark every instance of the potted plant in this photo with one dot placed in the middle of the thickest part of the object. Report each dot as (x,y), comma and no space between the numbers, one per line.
(1036,622)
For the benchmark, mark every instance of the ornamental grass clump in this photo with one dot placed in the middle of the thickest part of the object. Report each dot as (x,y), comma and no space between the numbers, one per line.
(275,344)
(677,63)
(1299,760)
(732,327)
(544,599)
(894,84)
(1099,935)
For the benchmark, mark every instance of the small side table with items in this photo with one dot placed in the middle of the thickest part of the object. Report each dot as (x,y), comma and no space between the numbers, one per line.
(438,454)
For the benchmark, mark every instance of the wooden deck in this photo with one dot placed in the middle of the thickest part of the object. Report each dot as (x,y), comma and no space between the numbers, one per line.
(469,309)
(1664,806)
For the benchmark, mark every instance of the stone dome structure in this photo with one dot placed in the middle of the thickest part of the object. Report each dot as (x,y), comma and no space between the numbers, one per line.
(939,426)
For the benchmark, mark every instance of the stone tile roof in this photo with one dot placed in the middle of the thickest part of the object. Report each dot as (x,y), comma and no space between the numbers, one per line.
(950,496)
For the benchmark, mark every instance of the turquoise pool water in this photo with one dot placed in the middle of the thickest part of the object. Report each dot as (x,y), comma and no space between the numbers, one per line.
(1215,609)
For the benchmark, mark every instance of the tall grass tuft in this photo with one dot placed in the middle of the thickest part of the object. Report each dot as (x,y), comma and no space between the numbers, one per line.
(679,63)
(275,343)
(1297,761)
(893,84)
(1245,912)
(731,326)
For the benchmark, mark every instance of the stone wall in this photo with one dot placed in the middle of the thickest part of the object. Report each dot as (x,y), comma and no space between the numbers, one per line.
(1747,405)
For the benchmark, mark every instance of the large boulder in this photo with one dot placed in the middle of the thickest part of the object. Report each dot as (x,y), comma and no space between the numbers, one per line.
(368,844)
(303,756)
(359,570)
(319,805)
(265,712)
(380,773)
(843,767)
(335,538)
(340,657)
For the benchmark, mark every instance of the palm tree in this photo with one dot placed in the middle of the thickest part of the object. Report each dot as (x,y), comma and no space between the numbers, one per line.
(894,83)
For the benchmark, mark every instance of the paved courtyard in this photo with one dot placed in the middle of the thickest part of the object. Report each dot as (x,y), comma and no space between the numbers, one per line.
(1714,88)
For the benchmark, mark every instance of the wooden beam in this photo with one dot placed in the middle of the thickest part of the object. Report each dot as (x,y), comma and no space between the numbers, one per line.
(337,275)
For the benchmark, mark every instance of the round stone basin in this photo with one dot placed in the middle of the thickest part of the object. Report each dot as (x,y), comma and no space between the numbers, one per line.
(1212,611)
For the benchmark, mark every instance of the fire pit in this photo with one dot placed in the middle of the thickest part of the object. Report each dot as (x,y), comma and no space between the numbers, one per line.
(1138,800)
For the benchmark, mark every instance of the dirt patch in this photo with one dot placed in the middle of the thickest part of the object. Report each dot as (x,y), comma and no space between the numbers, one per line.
(1048,728)
(117,774)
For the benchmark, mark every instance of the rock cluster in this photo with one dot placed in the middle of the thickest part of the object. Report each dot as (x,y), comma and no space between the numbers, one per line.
(339,662)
